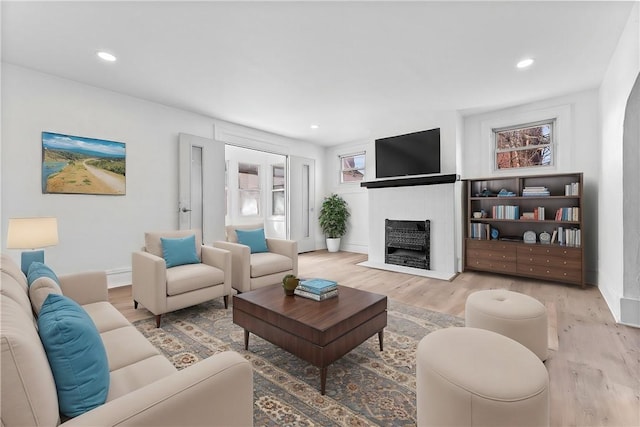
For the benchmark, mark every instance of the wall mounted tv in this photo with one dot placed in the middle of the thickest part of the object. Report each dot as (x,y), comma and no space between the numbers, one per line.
(415,153)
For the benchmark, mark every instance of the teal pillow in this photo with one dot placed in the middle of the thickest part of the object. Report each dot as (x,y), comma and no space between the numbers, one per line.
(179,251)
(254,239)
(37,270)
(76,355)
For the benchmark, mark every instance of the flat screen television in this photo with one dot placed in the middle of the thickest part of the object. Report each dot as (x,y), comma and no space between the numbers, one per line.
(415,153)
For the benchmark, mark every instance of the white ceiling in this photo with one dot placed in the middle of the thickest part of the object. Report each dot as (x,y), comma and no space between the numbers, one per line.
(360,70)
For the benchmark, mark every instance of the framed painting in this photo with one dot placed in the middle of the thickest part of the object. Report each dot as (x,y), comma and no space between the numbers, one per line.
(79,165)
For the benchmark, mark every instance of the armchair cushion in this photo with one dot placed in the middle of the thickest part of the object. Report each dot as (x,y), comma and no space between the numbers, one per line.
(179,251)
(254,239)
(186,278)
(263,264)
(153,244)
(76,355)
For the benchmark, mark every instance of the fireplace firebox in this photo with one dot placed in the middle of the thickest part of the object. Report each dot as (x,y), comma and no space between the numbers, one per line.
(407,243)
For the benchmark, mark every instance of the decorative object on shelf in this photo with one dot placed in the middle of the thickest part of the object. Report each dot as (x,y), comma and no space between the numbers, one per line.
(545,238)
(506,193)
(32,233)
(495,233)
(477,215)
(290,282)
(333,220)
(529,236)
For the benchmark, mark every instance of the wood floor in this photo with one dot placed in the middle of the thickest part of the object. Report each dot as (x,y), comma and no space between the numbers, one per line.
(594,364)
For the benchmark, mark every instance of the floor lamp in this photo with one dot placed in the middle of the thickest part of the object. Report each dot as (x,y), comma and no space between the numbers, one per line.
(32,233)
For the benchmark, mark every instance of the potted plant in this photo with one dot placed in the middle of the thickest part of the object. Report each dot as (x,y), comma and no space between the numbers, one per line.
(333,220)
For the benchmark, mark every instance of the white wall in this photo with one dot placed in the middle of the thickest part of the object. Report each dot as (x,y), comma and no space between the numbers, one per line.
(96,232)
(578,148)
(615,89)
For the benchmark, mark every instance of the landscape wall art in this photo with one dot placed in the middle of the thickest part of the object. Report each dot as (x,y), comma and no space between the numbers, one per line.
(78,165)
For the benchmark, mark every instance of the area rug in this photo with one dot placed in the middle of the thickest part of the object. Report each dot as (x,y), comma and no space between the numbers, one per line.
(366,387)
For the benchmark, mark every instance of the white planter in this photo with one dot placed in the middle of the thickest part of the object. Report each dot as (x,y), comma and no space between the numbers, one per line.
(333,245)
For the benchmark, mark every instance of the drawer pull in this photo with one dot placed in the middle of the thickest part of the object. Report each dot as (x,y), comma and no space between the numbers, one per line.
(565,262)
(531,269)
(564,274)
(548,260)
(548,251)
(548,272)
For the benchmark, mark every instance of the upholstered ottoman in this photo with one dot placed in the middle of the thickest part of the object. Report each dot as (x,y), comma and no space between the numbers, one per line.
(474,377)
(512,314)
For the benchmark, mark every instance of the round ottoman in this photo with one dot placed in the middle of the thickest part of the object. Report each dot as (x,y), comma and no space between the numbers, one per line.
(474,377)
(512,314)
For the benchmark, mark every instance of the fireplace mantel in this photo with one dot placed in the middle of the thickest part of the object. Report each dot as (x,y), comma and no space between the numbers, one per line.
(410,181)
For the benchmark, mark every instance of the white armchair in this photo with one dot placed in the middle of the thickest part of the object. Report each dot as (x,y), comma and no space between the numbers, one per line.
(162,290)
(256,270)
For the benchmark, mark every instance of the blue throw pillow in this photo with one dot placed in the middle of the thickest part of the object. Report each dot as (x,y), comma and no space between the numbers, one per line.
(76,355)
(179,251)
(254,239)
(37,270)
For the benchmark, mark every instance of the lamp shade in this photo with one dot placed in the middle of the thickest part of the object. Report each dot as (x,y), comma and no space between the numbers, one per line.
(32,233)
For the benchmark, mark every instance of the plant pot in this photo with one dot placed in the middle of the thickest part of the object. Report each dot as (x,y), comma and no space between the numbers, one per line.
(333,245)
(290,285)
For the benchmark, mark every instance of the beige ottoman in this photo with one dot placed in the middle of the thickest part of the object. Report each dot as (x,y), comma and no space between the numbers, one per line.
(474,377)
(512,314)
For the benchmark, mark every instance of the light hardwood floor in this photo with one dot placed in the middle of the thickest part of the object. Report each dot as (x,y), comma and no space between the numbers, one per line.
(594,364)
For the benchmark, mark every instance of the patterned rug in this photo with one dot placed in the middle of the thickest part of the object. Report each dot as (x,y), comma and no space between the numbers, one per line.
(366,387)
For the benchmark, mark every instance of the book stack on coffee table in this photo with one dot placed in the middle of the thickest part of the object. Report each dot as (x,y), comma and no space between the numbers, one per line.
(317,289)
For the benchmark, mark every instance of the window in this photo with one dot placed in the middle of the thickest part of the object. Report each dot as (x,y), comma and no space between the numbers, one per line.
(524,146)
(249,189)
(352,167)
(277,190)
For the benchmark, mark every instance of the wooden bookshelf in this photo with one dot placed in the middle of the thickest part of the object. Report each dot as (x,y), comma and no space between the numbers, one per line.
(510,207)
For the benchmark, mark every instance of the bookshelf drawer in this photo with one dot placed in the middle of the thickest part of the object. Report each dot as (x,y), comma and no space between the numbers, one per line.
(491,265)
(550,261)
(502,256)
(551,251)
(571,275)
(490,245)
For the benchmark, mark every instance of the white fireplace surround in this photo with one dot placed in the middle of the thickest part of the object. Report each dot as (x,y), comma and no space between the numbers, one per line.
(433,202)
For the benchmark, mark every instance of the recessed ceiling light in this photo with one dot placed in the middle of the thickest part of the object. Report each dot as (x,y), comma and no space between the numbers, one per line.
(525,63)
(106,56)
(314,126)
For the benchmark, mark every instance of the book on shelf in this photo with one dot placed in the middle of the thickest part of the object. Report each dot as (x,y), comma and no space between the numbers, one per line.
(480,231)
(316,297)
(572,189)
(554,236)
(535,192)
(505,212)
(568,214)
(317,286)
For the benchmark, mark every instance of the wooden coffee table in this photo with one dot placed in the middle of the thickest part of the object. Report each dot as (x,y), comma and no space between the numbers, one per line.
(319,332)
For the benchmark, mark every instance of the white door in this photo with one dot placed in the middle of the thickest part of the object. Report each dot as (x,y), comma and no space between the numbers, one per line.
(302,215)
(201,198)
